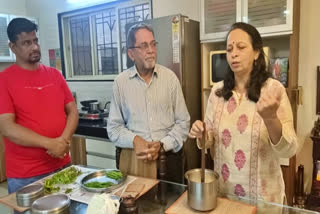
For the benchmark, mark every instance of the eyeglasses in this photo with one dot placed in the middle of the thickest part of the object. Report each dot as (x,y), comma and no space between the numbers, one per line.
(144,46)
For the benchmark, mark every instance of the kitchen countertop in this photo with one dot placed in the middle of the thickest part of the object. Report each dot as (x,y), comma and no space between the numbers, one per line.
(92,129)
(162,196)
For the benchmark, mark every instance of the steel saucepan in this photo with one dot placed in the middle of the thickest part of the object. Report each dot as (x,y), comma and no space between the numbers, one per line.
(94,106)
(202,196)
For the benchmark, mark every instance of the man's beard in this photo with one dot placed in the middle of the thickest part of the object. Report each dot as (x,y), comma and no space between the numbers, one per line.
(34,60)
(149,65)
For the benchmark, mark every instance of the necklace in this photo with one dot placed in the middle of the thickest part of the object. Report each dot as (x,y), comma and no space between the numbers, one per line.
(239,96)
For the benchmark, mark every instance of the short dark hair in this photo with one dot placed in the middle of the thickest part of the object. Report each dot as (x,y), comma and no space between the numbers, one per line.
(259,74)
(19,25)
(131,38)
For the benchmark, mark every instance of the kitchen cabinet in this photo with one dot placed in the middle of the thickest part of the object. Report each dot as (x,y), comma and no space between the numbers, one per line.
(285,46)
(78,151)
(101,153)
(92,145)
(6,55)
(270,17)
(93,151)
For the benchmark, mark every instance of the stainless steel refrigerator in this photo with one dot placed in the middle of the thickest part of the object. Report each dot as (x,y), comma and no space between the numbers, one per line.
(179,50)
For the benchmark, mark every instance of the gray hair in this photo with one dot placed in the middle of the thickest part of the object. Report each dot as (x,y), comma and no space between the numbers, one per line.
(131,38)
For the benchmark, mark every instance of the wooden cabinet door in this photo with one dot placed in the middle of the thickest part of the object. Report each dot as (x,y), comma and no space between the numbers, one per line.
(289,172)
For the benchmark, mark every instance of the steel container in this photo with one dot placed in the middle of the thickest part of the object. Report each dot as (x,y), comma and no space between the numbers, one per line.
(94,106)
(51,204)
(202,196)
(28,194)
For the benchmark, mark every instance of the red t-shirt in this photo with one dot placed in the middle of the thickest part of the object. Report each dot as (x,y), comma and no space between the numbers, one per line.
(37,98)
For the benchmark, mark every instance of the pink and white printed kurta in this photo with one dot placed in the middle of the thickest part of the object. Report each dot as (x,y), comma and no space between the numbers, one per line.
(244,157)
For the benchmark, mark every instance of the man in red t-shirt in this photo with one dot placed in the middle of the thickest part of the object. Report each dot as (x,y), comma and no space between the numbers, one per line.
(38,115)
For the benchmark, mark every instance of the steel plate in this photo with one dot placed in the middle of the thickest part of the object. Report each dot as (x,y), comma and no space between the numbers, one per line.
(100,176)
(55,203)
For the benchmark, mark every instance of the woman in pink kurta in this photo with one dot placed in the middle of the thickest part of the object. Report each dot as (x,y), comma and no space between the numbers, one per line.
(249,121)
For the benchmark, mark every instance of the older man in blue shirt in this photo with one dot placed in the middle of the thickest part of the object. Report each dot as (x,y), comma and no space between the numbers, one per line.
(148,108)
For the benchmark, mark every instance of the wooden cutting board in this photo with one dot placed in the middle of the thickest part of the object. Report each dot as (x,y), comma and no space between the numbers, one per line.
(138,187)
(224,206)
(10,201)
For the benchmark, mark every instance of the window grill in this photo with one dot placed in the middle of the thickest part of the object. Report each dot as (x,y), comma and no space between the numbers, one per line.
(107,42)
(129,15)
(94,38)
(81,46)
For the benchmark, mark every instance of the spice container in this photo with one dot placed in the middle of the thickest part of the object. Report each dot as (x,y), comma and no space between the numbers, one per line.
(28,194)
(51,204)
(128,206)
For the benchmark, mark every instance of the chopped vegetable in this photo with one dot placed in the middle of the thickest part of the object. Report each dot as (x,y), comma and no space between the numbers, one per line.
(96,184)
(114,174)
(66,176)
(68,191)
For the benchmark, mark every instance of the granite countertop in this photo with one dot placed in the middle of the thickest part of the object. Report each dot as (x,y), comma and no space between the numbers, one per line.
(92,128)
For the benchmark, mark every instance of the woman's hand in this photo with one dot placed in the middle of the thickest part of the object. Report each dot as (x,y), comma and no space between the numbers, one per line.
(196,129)
(269,103)
(267,107)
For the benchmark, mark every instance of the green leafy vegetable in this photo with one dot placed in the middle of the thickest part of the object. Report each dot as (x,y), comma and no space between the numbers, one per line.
(114,174)
(66,176)
(68,191)
(96,184)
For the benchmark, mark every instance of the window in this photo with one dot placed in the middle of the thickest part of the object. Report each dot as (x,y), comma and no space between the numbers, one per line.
(6,55)
(93,40)
(128,15)
(80,45)
(4,49)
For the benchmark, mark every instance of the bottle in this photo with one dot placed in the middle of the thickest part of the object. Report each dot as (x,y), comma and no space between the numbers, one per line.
(299,196)
(162,175)
(162,169)
(300,182)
